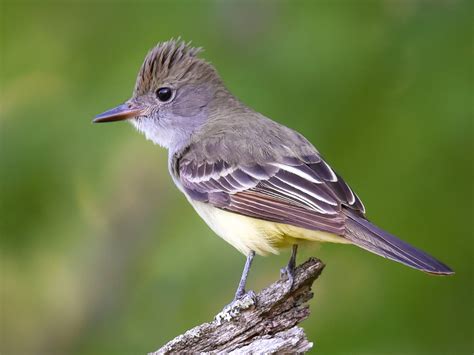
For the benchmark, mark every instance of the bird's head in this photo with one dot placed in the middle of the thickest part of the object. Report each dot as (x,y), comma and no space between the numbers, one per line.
(172,95)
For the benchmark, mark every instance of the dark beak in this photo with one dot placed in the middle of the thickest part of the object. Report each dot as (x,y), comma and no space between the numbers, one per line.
(119,113)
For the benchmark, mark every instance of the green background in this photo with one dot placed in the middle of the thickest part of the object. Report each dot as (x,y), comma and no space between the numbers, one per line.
(100,254)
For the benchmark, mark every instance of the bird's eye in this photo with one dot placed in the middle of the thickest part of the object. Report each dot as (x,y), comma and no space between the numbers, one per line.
(164,94)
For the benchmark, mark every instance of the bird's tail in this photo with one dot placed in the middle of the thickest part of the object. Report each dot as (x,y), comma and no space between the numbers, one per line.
(370,237)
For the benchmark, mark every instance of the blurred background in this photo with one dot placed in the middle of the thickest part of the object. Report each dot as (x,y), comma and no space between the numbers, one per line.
(101,254)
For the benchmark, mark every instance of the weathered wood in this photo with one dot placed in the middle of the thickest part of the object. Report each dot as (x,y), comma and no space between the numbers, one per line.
(262,323)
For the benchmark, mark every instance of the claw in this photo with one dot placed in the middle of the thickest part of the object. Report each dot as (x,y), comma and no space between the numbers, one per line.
(242,297)
(246,301)
(289,274)
(247,294)
(240,294)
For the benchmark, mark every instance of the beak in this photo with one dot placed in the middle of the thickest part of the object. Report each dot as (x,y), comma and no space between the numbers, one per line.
(119,113)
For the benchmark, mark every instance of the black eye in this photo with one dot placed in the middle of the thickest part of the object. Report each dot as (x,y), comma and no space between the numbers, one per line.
(164,94)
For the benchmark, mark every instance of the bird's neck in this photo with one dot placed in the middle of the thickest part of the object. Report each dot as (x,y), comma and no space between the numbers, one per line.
(224,109)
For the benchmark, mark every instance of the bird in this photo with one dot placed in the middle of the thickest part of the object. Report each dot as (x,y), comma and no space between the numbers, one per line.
(258,184)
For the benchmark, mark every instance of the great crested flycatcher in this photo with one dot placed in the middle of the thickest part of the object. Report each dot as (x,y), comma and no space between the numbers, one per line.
(259,185)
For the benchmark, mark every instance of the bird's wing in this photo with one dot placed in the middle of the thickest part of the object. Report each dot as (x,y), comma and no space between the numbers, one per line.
(304,192)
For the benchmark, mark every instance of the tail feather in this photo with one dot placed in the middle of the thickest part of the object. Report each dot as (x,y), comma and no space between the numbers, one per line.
(370,237)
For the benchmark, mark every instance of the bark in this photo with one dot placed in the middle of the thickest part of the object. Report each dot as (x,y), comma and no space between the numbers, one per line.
(262,323)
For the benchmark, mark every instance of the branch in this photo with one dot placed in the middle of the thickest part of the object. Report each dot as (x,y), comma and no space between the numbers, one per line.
(262,323)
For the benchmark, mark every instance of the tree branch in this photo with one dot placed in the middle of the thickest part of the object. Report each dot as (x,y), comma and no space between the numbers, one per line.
(262,323)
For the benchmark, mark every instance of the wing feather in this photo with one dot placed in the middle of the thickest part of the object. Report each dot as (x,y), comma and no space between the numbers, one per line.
(305,193)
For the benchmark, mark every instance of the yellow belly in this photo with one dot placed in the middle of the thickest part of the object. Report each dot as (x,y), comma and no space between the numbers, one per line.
(263,237)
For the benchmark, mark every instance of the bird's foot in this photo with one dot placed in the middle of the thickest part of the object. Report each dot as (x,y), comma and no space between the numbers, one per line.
(240,294)
(289,273)
(242,301)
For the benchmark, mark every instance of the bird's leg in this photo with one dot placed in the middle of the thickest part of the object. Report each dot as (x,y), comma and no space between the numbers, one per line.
(289,270)
(243,280)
